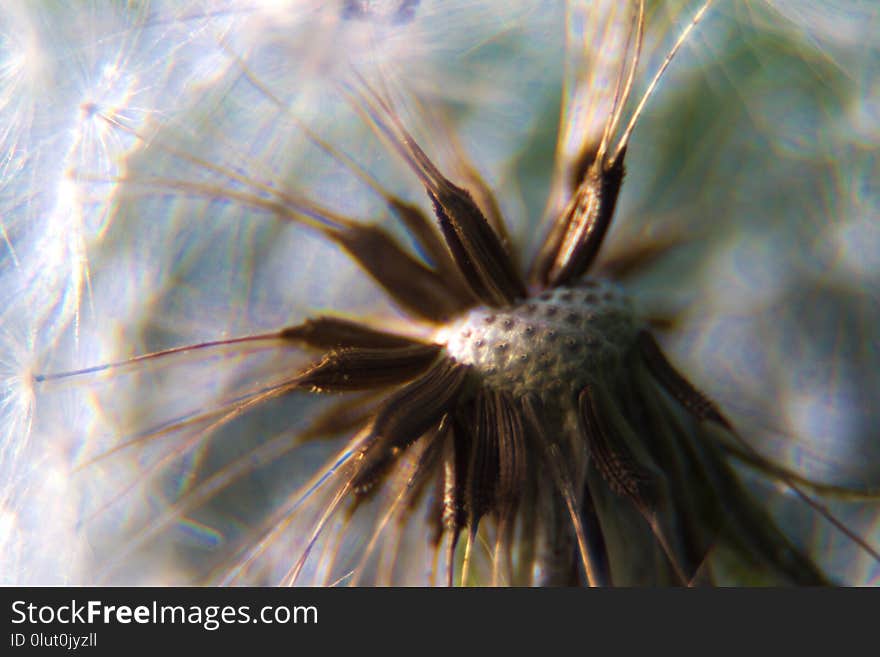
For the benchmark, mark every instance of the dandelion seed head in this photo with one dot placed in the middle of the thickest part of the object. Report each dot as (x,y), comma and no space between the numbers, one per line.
(129,256)
(568,336)
(17,403)
(23,73)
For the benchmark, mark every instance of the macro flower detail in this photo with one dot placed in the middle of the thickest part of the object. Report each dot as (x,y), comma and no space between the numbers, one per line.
(512,420)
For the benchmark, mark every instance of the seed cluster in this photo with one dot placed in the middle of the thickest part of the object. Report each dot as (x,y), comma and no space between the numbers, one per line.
(561,340)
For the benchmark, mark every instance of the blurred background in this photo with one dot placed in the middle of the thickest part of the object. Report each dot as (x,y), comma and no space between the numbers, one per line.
(131,133)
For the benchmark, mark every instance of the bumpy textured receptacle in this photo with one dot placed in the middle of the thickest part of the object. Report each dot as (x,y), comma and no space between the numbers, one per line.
(566,338)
